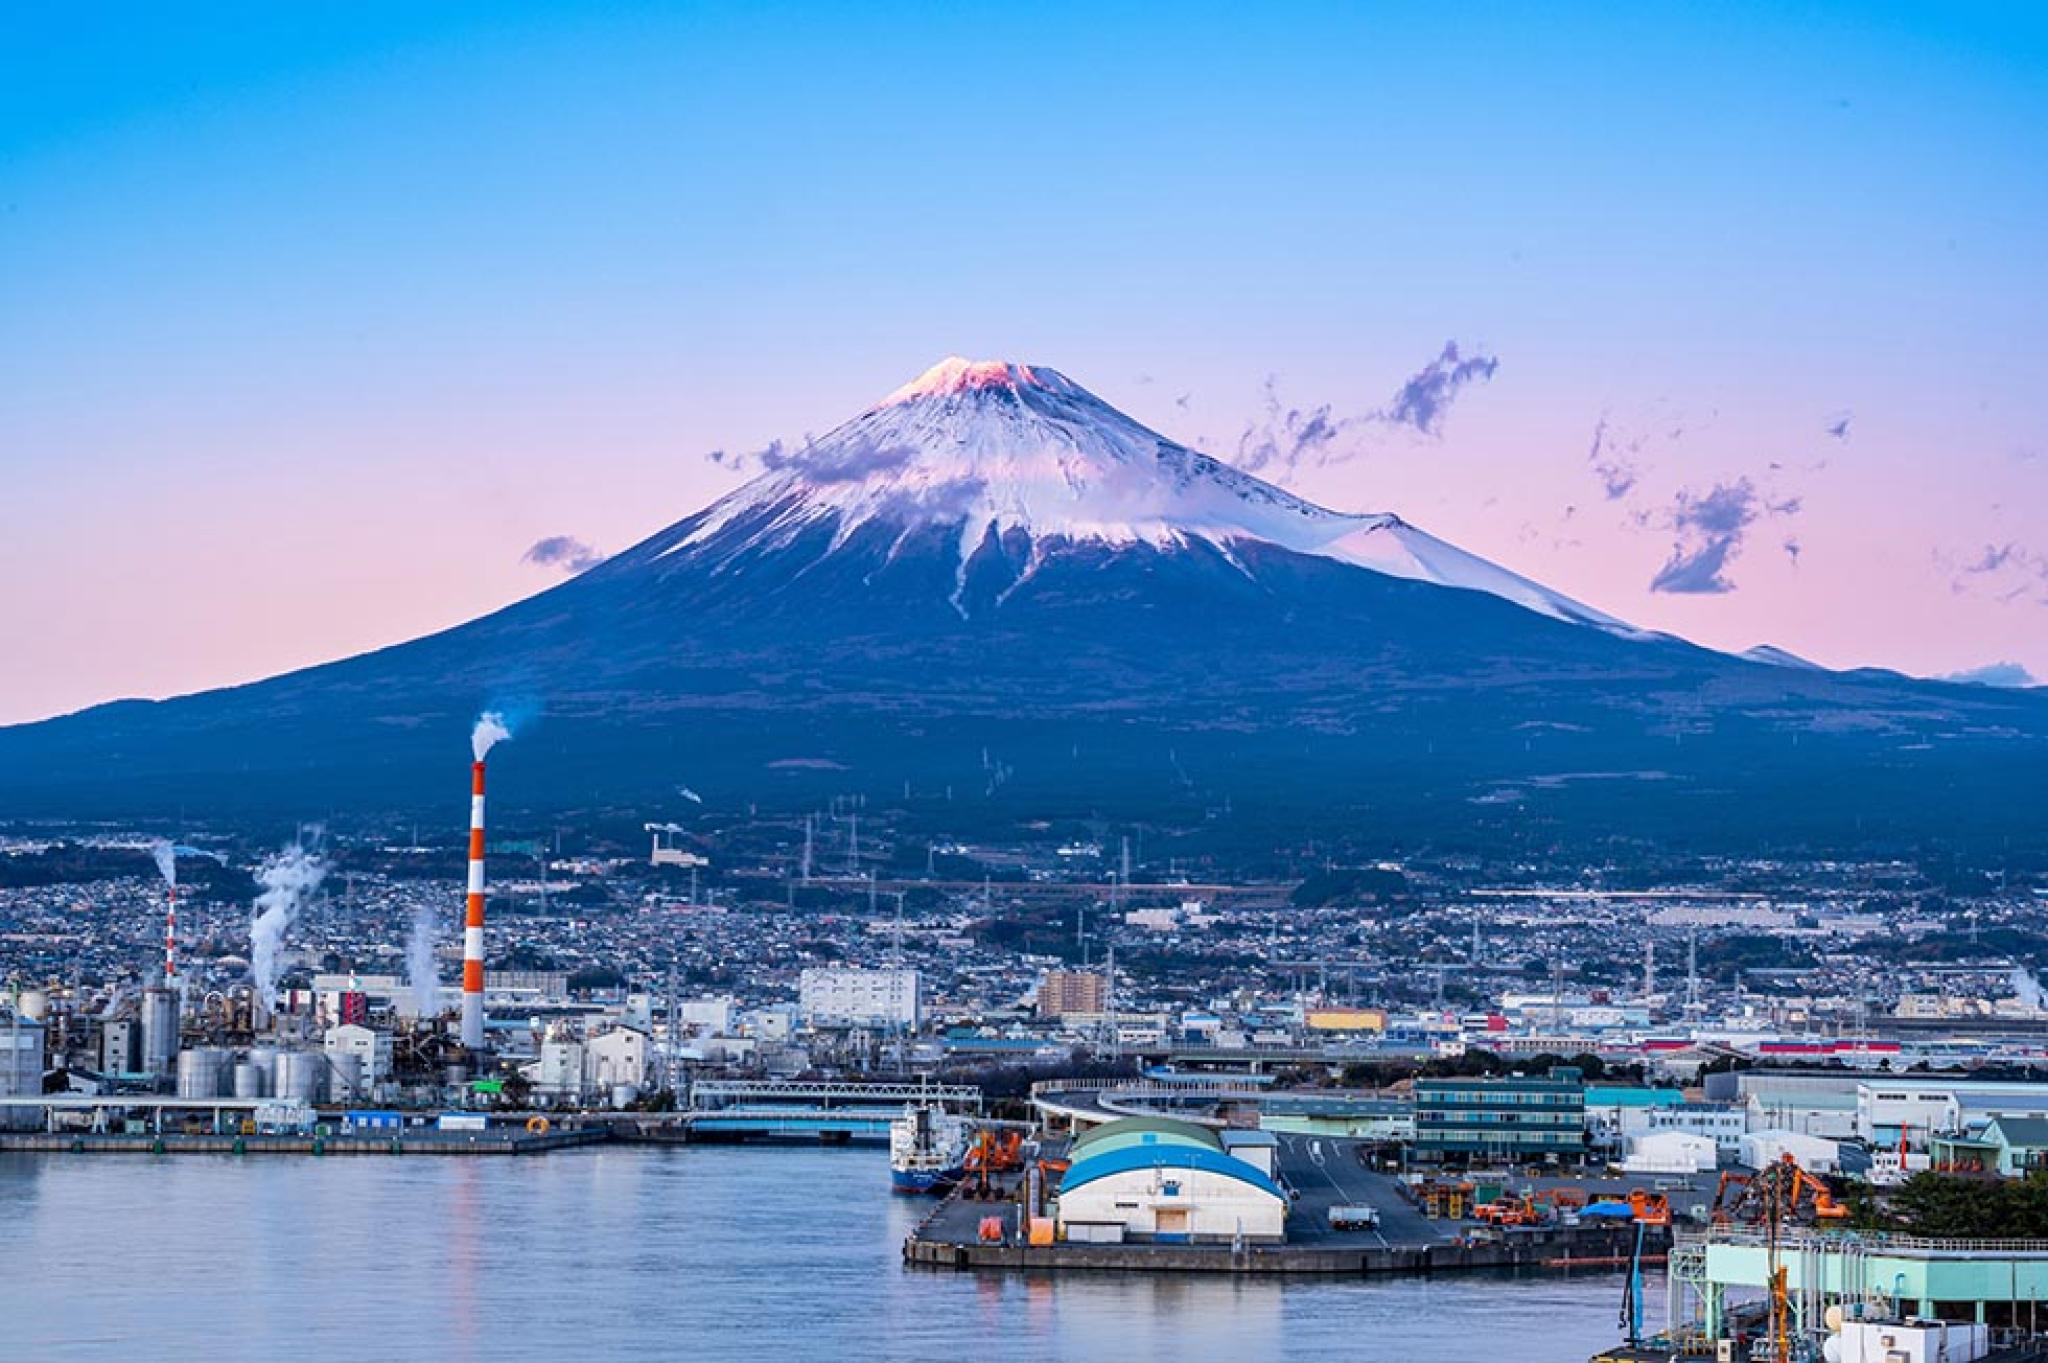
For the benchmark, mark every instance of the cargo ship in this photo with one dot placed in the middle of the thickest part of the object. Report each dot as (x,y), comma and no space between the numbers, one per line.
(927,1149)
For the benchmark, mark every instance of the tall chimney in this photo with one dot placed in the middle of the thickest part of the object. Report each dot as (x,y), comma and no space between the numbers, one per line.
(473,919)
(171,937)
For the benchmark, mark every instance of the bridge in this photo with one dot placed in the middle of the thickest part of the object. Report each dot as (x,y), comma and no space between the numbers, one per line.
(1090,1102)
(745,1109)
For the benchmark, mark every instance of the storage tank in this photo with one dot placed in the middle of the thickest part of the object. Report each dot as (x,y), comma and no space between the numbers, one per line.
(200,1071)
(299,1075)
(265,1058)
(249,1080)
(345,1078)
(625,1095)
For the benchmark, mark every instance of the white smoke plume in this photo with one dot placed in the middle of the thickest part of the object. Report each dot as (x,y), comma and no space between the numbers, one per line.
(422,973)
(166,862)
(490,731)
(289,879)
(2027,989)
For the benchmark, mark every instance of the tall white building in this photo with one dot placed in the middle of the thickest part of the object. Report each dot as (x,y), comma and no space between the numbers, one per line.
(620,1056)
(371,1049)
(843,996)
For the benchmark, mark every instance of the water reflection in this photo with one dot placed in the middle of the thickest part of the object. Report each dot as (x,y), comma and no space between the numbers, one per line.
(709,1253)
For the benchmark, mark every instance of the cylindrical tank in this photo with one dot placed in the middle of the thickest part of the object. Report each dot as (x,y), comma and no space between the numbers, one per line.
(345,1078)
(159,1030)
(249,1080)
(200,1071)
(624,1095)
(34,1004)
(299,1075)
(265,1058)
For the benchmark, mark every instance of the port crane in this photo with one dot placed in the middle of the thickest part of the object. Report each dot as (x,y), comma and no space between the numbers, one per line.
(1781,1189)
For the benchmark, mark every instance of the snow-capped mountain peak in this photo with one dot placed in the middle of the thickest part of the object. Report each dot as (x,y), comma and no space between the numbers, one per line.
(996,449)
(955,375)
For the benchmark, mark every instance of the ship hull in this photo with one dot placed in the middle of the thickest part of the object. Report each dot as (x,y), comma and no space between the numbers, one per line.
(923,1182)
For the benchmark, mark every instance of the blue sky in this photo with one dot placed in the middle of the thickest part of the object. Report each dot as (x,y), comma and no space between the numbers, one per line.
(313,319)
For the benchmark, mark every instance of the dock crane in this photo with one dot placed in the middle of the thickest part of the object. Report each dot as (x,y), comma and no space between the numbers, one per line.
(1781,1188)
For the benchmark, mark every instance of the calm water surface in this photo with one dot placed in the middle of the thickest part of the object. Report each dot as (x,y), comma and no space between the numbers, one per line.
(706,1253)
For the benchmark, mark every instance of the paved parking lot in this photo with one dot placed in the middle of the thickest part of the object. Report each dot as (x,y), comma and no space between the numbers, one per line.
(1326,1173)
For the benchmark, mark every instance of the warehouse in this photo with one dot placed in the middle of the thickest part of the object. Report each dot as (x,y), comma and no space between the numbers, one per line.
(1167,1181)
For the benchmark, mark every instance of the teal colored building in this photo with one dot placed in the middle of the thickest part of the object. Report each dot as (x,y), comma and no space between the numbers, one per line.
(1509,1118)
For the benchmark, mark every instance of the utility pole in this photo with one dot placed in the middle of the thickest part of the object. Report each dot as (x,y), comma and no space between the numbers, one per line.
(674,1031)
(1556,994)
(1692,971)
(1116,1041)
(895,972)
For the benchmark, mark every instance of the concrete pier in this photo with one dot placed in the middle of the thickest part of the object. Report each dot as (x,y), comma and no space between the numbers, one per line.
(414,1142)
(1583,1247)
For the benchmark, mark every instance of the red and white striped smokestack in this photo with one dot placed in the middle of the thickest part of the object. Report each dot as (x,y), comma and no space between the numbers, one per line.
(473,919)
(171,937)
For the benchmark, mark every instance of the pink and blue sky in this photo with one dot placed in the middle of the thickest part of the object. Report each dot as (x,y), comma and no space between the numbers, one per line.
(314,319)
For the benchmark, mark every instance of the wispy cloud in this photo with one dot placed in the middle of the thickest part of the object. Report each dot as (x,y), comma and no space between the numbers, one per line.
(843,462)
(564,553)
(1708,530)
(1615,462)
(1287,437)
(2009,573)
(1426,397)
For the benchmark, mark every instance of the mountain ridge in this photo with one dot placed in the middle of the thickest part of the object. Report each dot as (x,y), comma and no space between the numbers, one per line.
(940,597)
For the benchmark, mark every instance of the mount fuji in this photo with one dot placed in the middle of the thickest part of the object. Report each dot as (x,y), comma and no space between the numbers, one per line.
(995,590)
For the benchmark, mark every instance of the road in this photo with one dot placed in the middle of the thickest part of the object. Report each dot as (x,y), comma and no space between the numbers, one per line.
(1326,1173)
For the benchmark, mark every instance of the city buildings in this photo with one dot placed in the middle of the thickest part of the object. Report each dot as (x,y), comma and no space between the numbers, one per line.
(1065,993)
(840,996)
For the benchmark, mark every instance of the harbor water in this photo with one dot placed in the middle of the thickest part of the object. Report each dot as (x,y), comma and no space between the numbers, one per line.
(715,1252)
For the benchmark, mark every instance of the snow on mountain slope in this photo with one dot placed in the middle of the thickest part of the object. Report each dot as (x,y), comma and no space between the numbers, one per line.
(990,448)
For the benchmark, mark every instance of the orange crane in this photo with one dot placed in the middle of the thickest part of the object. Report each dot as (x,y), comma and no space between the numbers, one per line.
(1781,1187)
(1652,1209)
(992,1153)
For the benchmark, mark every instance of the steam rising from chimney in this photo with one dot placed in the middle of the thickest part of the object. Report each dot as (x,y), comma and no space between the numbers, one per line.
(289,879)
(166,855)
(422,972)
(490,731)
(166,862)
